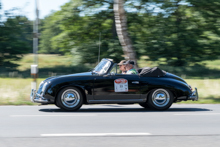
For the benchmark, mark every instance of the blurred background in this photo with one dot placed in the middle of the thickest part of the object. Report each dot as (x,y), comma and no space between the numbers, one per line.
(179,36)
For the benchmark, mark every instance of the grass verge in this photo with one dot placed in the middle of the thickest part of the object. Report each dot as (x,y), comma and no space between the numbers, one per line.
(15,91)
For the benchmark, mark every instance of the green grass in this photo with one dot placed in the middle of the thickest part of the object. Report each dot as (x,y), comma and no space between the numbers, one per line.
(44,60)
(208,90)
(15,91)
(212,64)
(48,65)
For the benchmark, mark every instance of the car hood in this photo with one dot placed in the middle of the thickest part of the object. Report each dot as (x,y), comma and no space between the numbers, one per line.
(70,75)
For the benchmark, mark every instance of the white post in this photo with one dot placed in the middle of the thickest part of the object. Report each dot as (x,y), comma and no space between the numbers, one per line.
(99,46)
(36,35)
(35,45)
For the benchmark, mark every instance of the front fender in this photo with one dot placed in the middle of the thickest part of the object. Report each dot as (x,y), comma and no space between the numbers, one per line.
(58,84)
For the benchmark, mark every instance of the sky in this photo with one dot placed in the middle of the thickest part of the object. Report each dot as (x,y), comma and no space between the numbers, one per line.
(28,6)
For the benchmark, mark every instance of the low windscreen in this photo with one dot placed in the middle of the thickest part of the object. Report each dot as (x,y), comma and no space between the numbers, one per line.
(102,67)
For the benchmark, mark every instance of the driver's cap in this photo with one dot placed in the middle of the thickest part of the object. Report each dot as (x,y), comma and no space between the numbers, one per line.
(129,62)
(122,62)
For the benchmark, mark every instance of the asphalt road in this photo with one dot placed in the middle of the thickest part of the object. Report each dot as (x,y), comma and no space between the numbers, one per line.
(110,125)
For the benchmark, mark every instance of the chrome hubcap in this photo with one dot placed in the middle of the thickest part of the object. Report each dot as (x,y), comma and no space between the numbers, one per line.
(70,98)
(160,97)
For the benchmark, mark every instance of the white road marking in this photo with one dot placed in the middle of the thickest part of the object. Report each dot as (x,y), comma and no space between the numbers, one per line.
(95,134)
(51,115)
(198,114)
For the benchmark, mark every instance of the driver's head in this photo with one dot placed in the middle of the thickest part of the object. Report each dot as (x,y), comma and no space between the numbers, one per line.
(121,65)
(129,64)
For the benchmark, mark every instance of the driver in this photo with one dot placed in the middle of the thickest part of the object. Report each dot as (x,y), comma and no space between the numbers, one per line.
(122,66)
(129,65)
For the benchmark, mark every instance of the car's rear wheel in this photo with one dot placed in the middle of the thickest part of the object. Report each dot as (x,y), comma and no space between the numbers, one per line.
(70,99)
(160,99)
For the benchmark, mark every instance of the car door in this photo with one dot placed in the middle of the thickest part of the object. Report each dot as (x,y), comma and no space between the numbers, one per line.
(116,87)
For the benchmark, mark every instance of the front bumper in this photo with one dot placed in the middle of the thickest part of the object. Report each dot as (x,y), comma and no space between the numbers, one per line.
(35,97)
(194,96)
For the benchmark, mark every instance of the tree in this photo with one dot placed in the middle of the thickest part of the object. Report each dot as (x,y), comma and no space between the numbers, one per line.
(15,39)
(121,27)
(171,32)
(49,29)
(79,34)
(179,34)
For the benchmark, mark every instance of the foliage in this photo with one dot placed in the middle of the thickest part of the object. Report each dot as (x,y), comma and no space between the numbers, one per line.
(49,29)
(181,32)
(80,34)
(15,38)
(177,32)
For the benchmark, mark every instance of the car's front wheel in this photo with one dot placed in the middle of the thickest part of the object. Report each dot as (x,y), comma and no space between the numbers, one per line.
(145,105)
(70,99)
(160,99)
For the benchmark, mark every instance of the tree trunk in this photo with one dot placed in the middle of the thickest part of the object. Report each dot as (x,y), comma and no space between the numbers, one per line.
(121,27)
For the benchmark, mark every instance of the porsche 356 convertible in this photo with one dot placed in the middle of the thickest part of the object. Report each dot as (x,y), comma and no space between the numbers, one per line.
(151,88)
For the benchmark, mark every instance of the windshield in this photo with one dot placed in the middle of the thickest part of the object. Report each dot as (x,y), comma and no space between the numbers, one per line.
(102,67)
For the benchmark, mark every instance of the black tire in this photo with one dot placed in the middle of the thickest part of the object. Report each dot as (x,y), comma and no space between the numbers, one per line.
(69,99)
(160,99)
(144,105)
(56,103)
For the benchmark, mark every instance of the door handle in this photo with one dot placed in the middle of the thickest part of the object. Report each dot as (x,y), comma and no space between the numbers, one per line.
(105,75)
(135,82)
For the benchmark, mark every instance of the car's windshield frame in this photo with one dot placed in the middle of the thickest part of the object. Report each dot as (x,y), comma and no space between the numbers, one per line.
(103,67)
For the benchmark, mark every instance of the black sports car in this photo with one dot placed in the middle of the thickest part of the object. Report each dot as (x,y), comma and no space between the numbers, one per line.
(151,88)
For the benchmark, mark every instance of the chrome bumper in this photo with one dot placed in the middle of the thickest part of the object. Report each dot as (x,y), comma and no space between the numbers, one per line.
(194,96)
(35,97)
